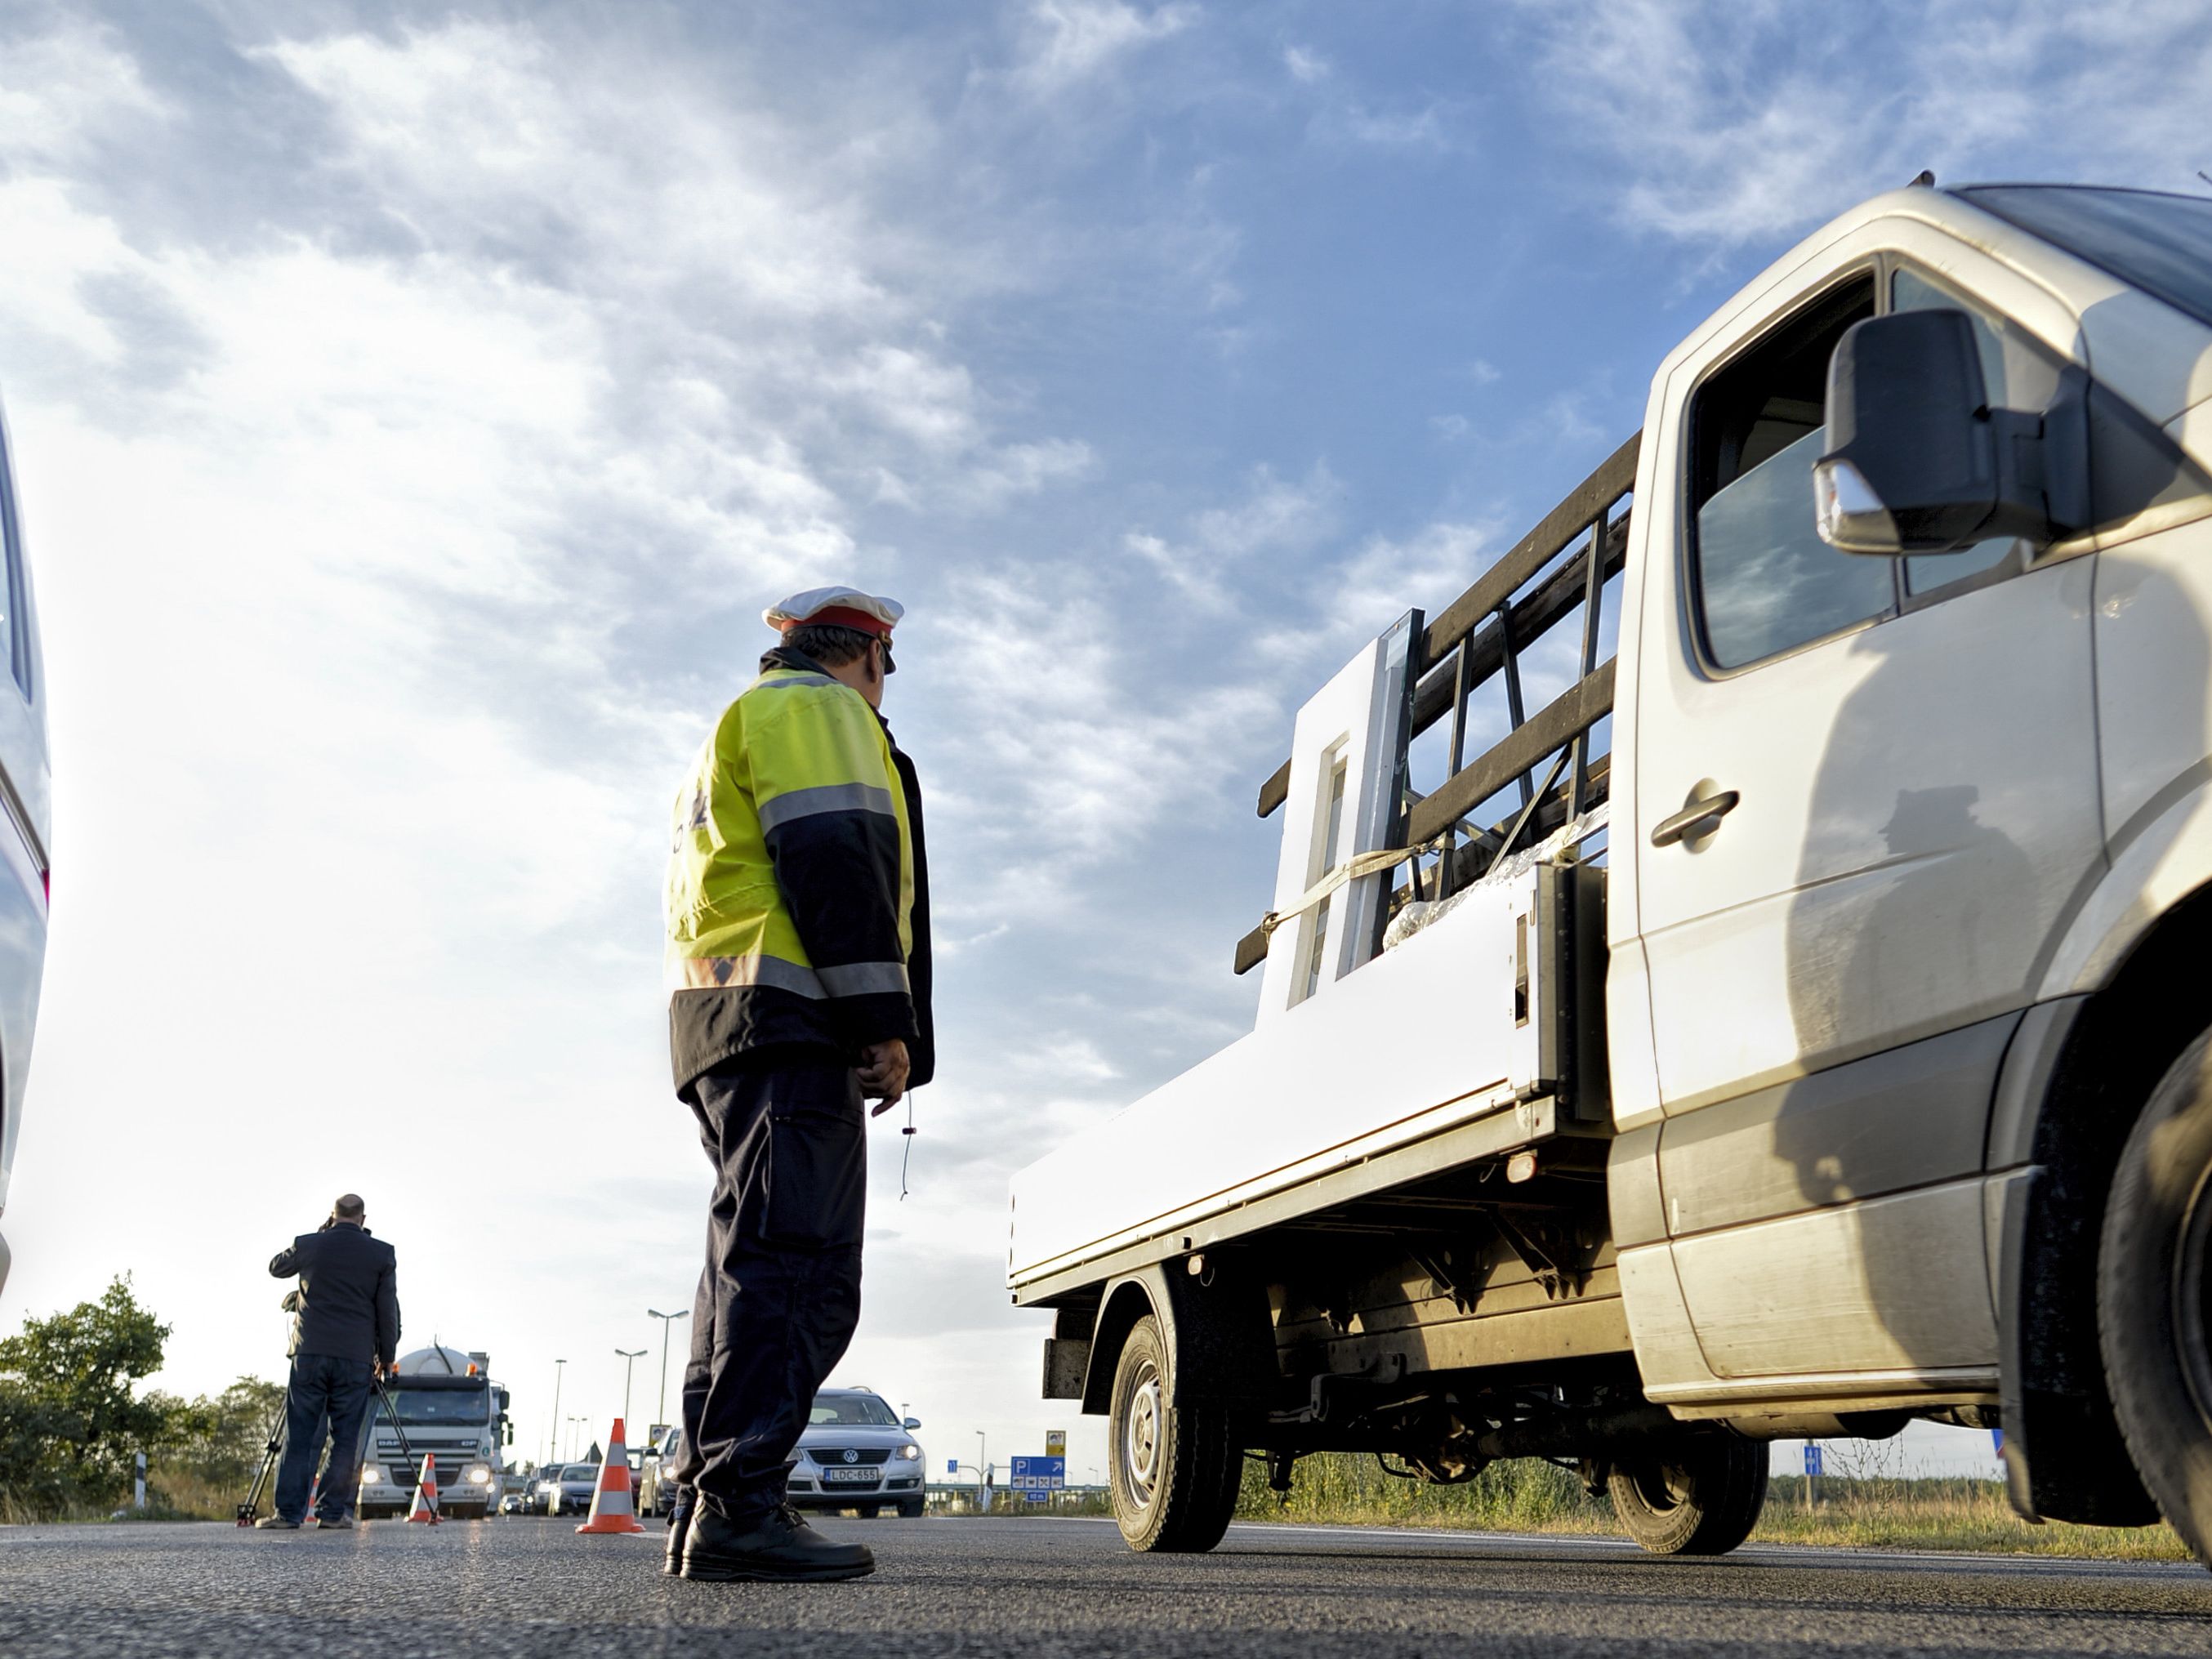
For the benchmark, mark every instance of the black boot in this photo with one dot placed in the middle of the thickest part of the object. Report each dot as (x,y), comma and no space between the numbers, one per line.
(779,1547)
(679,1529)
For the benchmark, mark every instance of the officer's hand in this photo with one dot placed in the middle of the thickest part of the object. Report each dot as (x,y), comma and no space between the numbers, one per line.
(883,1071)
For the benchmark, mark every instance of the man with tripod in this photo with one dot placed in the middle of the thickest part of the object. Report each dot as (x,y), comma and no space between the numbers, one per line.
(346,1329)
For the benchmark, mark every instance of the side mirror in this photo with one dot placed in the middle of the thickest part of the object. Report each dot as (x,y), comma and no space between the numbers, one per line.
(506,1434)
(911,1424)
(1918,462)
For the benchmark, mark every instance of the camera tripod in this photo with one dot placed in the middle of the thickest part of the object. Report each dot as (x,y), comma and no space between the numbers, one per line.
(248,1512)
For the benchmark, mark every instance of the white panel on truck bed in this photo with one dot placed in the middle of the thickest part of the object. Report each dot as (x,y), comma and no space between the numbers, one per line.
(1420,1040)
(1343,801)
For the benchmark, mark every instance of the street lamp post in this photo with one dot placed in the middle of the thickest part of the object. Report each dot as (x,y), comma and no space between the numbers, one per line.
(666,1319)
(553,1436)
(630,1357)
(983,1471)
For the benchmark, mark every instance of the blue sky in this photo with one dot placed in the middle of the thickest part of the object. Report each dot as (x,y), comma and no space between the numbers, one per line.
(415,405)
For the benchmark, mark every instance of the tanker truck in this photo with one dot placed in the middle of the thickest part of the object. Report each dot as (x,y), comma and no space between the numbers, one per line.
(449,1409)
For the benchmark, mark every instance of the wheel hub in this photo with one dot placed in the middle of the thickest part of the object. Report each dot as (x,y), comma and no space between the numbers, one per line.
(1141,1438)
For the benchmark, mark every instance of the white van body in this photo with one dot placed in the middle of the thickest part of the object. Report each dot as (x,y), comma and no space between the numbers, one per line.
(1906,890)
(26,832)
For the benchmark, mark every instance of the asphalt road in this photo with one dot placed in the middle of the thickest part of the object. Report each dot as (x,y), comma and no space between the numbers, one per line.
(1044,1589)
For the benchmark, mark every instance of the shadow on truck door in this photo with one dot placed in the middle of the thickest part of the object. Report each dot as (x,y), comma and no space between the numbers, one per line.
(1914,746)
(1986,722)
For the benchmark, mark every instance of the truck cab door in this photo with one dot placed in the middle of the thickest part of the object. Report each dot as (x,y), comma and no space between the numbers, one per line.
(1898,762)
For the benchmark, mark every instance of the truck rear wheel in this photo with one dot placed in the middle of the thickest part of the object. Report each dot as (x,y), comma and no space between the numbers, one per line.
(1701,1497)
(1175,1464)
(2154,1296)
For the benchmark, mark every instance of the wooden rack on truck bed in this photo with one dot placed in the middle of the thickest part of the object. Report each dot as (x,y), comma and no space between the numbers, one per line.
(1302,1124)
(1482,635)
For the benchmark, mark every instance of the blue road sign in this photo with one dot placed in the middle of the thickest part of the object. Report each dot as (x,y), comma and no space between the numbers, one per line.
(1812,1459)
(1037,1476)
(952,1465)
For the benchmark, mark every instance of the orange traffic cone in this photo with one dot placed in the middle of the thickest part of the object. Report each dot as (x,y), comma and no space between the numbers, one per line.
(612,1509)
(425,1506)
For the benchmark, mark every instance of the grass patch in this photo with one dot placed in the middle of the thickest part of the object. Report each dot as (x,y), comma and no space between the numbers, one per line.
(172,1494)
(1865,1510)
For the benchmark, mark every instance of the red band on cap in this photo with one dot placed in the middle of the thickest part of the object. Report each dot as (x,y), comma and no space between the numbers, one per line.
(838,616)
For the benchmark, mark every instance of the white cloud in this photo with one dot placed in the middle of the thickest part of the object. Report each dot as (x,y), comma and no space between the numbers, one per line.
(1097,753)
(1423,129)
(1729,125)
(1072,42)
(387,542)
(63,91)
(1275,517)
(1306,66)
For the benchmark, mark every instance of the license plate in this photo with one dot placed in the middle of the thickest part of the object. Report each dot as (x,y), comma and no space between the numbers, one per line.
(847,1476)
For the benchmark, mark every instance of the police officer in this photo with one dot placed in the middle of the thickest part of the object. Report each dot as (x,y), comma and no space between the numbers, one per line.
(345,1324)
(799,982)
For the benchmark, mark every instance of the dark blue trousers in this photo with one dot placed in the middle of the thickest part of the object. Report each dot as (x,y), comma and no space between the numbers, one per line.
(780,1294)
(329,1395)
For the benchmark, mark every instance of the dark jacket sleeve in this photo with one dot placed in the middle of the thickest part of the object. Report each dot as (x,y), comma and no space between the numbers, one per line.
(286,1262)
(920,970)
(387,1312)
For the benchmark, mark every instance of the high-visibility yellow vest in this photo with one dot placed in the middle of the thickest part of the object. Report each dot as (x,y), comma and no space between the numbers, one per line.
(790,877)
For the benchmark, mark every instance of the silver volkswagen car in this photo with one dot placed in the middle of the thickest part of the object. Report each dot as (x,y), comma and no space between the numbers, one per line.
(23,836)
(856,1454)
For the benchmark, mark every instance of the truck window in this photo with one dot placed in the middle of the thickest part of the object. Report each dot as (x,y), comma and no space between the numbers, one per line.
(1765,581)
(2015,374)
(2159,243)
(1332,833)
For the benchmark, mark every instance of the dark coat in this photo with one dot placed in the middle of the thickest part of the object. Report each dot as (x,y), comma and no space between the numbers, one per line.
(922,1051)
(348,1294)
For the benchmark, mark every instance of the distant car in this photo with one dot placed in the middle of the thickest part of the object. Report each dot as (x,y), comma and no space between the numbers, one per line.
(519,1496)
(856,1454)
(568,1490)
(24,826)
(656,1483)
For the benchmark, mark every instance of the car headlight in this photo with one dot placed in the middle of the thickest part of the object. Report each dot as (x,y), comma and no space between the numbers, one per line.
(909,1451)
(372,1475)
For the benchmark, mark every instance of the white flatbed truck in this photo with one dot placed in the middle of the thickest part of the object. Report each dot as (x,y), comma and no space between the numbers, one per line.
(1798,1025)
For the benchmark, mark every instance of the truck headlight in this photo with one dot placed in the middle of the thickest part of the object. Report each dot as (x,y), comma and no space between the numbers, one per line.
(909,1451)
(372,1475)
(479,1475)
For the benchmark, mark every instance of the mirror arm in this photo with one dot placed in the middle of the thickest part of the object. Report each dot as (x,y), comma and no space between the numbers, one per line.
(2065,454)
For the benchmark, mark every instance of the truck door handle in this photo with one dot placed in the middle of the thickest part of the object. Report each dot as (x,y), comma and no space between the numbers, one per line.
(1700,817)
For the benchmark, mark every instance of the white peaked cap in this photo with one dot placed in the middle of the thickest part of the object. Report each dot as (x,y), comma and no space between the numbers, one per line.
(842,607)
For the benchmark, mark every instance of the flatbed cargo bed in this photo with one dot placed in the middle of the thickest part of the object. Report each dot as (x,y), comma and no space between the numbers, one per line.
(1447,1049)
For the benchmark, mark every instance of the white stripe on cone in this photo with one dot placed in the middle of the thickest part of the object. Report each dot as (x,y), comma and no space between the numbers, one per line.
(613,1509)
(425,1506)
